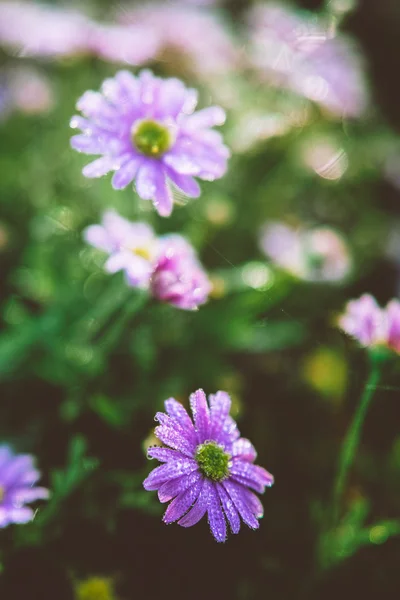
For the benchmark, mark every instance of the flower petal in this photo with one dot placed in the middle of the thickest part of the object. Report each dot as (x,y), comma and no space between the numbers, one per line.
(229,508)
(220,405)
(244,450)
(164,454)
(205,118)
(201,414)
(97,236)
(181,504)
(199,509)
(251,475)
(187,434)
(170,470)
(125,174)
(216,517)
(15,469)
(99,167)
(234,491)
(178,412)
(171,489)
(253,503)
(151,184)
(185,183)
(87,144)
(24,495)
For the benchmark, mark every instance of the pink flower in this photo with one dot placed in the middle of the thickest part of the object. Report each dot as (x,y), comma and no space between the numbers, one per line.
(318,254)
(372,325)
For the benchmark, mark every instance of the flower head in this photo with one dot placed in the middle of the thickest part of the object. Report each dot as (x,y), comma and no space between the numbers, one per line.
(17,487)
(167,266)
(318,254)
(178,278)
(372,325)
(208,466)
(146,130)
(133,247)
(297,51)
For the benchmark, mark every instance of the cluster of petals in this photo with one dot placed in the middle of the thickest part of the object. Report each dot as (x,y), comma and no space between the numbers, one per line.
(18,477)
(318,254)
(125,104)
(167,265)
(181,480)
(192,35)
(42,30)
(296,51)
(371,325)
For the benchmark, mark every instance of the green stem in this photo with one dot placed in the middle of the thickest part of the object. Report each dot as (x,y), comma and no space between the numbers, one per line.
(352,439)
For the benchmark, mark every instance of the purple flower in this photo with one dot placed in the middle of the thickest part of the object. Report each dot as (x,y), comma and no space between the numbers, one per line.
(146,130)
(167,266)
(178,278)
(318,254)
(208,466)
(17,487)
(42,30)
(364,320)
(133,247)
(302,53)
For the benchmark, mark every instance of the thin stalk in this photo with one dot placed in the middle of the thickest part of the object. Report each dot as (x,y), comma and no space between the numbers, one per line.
(352,439)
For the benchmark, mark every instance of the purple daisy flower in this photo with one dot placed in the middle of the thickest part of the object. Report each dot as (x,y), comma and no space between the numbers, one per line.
(167,266)
(17,487)
(179,278)
(363,319)
(208,467)
(133,247)
(146,130)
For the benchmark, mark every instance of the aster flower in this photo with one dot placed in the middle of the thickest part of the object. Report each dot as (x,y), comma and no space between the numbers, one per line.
(318,254)
(178,278)
(167,266)
(42,30)
(371,325)
(302,53)
(18,477)
(132,247)
(208,466)
(146,130)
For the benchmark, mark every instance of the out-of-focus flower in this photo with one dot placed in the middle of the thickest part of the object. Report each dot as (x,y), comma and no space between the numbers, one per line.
(332,76)
(146,130)
(318,254)
(372,325)
(178,278)
(95,588)
(26,90)
(208,466)
(167,266)
(18,477)
(189,34)
(133,247)
(42,30)
(122,44)
(301,52)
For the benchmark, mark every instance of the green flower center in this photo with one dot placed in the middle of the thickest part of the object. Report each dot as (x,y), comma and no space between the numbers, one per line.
(213,461)
(151,138)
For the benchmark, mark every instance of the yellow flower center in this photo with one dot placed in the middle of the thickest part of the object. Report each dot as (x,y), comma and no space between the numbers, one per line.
(2,493)
(151,138)
(143,252)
